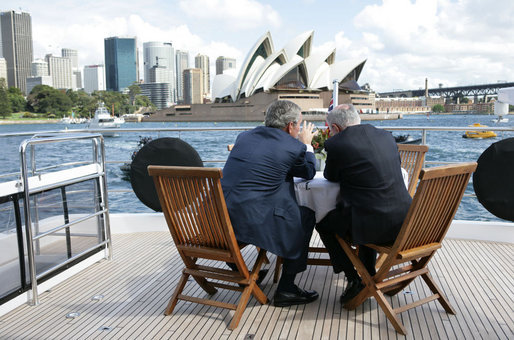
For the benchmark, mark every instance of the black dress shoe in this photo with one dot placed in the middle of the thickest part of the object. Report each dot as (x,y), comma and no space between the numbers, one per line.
(300,297)
(352,289)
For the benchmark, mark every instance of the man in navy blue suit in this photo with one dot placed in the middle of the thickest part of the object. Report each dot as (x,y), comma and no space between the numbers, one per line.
(259,192)
(366,163)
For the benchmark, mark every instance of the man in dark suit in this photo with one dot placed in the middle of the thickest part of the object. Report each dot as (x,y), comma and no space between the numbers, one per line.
(366,163)
(259,192)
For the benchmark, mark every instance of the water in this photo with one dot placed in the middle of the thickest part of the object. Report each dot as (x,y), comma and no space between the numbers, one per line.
(445,146)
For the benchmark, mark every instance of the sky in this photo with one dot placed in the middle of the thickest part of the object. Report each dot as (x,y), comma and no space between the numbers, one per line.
(449,42)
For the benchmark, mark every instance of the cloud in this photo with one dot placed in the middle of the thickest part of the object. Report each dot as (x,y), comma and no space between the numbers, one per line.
(454,43)
(239,14)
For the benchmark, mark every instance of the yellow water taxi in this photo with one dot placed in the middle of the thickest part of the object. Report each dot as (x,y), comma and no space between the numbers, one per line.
(479,134)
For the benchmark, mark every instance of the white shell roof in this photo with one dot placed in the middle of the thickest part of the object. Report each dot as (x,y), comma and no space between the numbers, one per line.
(263,72)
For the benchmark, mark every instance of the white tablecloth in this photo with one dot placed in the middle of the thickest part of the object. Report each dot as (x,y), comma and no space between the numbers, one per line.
(321,195)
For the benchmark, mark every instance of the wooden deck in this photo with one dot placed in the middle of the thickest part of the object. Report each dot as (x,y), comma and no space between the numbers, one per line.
(477,277)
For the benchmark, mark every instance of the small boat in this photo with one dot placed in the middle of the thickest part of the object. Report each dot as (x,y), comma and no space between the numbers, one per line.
(407,139)
(104,120)
(479,134)
(500,119)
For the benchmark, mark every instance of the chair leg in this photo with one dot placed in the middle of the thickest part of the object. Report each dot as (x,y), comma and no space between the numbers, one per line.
(380,260)
(174,298)
(278,266)
(389,312)
(436,290)
(250,289)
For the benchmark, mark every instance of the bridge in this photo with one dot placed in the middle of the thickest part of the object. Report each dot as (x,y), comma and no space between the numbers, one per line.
(451,92)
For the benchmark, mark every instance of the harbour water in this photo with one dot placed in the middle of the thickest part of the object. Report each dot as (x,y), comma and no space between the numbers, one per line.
(445,146)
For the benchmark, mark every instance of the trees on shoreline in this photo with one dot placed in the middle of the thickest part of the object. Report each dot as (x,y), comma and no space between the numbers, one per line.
(49,102)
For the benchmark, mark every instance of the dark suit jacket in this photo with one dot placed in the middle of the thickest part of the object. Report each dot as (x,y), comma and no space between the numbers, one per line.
(366,163)
(259,190)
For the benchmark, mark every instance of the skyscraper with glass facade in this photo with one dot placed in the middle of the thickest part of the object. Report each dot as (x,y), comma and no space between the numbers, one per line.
(159,67)
(120,63)
(16,37)
(202,62)
(182,64)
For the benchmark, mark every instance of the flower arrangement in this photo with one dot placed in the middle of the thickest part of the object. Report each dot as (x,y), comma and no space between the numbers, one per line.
(318,141)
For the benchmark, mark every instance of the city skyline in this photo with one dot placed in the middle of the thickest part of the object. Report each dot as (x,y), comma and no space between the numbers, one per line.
(450,43)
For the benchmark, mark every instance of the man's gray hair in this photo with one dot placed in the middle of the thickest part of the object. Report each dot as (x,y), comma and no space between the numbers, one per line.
(282,112)
(344,115)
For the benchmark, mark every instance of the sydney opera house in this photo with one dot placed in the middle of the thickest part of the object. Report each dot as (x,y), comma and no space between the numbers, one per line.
(294,72)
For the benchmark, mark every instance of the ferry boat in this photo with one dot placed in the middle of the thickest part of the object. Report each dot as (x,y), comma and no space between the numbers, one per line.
(104,120)
(86,273)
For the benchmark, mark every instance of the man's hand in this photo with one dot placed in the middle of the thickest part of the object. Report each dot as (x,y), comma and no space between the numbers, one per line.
(305,136)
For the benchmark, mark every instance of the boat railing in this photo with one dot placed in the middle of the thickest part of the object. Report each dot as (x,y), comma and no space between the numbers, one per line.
(63,214)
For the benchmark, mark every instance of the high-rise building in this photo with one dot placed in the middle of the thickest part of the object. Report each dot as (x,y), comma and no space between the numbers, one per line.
(74,57)
(39,80)
(159,66)
(16,37)
(202,62)
(39,68)
(94,78)
(224,63)
(3,69)
(59,69)
(193,86)
(121,63)
(182,58)
(158,93)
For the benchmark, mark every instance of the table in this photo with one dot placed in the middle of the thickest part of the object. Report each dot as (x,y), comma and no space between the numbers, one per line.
(321,195)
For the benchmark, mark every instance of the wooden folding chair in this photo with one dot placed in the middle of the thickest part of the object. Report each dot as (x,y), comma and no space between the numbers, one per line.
(437,198)
(194,206)
(412,157)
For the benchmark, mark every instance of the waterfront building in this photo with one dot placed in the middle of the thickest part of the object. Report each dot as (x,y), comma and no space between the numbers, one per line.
(94,78)
(182,63)
(59,69)
(16,37)
(159,66)
(224,63)
(202,62)
(158,93)
(39,80)
(121,63)
(193,86)
(3,69)
(39,68)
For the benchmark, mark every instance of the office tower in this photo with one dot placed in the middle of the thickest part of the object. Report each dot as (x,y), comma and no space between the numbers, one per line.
(193,88)
(59,69)
(202,62)
(94,78)
(3,69)
(224,63)
(74,57)
(16,37)
(182,58)
(158,93)
(39,80)
(120,63)
(39,68)
(159,66)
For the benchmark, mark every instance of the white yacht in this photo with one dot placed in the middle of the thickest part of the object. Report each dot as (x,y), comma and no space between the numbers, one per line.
(104,120)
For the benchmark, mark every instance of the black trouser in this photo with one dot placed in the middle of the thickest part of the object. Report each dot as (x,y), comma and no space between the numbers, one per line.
(339,222)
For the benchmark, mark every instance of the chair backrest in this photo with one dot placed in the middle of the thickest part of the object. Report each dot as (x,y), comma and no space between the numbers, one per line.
(433,207)
(412,158)
(194,206)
